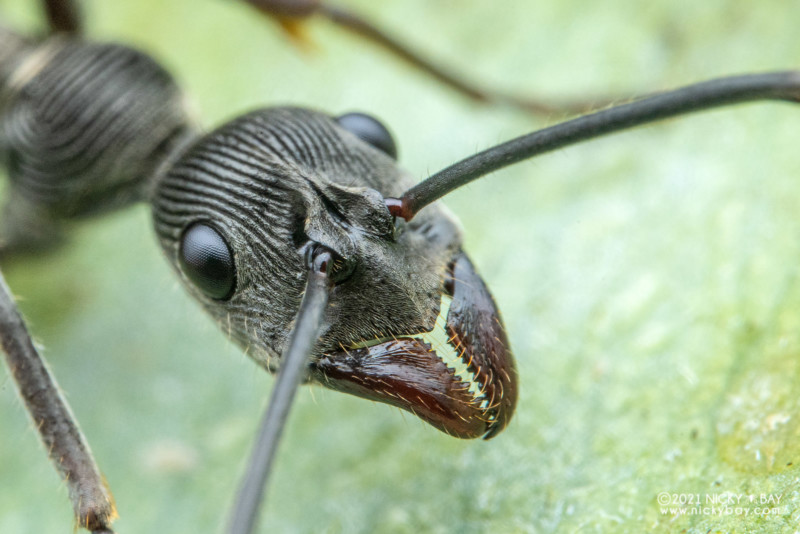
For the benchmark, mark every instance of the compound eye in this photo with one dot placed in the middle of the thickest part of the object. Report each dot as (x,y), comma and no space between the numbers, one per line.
(207,261)
(370,130)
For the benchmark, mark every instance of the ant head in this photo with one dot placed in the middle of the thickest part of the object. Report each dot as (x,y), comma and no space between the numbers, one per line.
(409,322)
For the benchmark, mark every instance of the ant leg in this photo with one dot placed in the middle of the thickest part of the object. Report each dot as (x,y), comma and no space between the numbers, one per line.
(294,360)
(291,13)
(64,16)
(91,498)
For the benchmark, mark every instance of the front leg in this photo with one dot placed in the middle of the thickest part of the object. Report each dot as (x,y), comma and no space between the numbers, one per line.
(63,16)
(91,498)
(291,14)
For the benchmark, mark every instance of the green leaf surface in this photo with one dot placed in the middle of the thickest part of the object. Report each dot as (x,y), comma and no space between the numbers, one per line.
(648,282)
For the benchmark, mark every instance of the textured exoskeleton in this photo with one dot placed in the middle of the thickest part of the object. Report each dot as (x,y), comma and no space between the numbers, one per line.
(276,182)
(91,127)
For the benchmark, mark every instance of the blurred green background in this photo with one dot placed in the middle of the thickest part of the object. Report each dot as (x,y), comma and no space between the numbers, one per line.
(648,282)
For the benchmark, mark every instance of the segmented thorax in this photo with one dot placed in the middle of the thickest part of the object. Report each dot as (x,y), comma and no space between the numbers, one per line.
(84,125)
(12,48)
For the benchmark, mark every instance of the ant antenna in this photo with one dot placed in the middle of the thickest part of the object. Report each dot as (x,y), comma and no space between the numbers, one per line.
(293,363)
(698,97)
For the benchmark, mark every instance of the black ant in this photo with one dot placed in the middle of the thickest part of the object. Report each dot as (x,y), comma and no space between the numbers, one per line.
(491,414)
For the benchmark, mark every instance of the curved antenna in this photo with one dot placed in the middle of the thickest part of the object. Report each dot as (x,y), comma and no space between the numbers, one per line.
(689,99)
(294,359)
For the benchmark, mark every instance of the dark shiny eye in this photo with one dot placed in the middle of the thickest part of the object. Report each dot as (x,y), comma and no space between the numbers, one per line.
(207,261)
(370,130)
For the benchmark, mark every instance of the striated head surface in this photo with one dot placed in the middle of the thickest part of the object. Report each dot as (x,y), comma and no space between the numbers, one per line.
(409,322)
